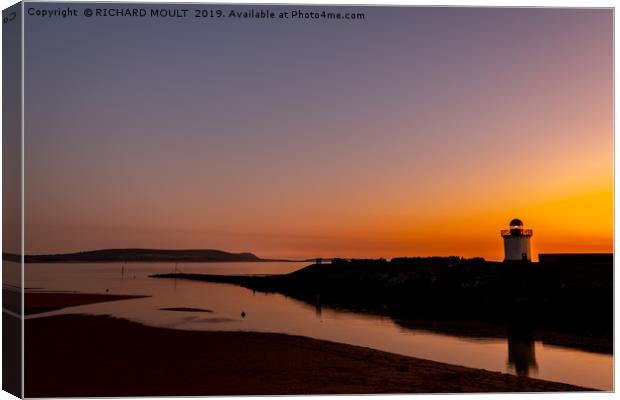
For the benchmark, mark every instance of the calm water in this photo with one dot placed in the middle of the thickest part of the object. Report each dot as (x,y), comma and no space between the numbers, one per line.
(277,313)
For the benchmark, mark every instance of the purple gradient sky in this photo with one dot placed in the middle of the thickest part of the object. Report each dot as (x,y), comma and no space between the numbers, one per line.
(415,131)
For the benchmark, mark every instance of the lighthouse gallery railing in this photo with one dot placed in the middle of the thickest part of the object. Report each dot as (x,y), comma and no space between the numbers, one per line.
(516,232)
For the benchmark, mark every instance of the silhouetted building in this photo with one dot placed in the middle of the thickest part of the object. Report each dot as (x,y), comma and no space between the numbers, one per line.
(577,258)
(517,242)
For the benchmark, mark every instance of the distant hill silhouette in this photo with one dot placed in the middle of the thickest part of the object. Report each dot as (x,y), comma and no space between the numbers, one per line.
(141,255)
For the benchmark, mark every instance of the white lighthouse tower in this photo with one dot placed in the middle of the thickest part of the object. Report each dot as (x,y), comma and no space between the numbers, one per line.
(517,242)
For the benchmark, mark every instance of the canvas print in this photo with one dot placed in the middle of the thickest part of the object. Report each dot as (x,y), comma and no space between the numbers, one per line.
(282,199)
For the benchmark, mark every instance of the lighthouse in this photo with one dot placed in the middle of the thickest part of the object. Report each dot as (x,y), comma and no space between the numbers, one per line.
(517,242)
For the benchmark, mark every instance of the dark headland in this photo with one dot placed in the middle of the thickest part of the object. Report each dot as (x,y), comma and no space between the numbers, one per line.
(140,255)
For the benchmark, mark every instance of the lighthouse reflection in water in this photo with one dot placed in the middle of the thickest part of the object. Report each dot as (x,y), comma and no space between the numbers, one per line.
(521,351)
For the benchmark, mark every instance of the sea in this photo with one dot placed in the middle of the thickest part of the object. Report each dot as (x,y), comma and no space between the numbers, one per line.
(234,308)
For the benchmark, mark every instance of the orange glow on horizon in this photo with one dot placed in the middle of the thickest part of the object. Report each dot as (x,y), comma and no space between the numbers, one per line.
(426,137)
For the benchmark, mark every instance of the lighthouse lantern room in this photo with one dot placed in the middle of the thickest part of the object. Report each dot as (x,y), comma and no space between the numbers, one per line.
(517,242)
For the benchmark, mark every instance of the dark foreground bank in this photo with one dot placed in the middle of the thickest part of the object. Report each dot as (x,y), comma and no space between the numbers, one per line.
(93,356)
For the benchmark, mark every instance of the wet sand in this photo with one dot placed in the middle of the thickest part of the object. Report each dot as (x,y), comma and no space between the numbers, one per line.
(186,309)
(79,355)
(40,302)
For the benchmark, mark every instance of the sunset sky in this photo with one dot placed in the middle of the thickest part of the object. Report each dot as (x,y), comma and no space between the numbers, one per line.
(417,131)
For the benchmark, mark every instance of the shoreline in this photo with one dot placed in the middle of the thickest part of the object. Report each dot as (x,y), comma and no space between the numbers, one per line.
(67,355)
(126,255)
(41,302)
(562,303)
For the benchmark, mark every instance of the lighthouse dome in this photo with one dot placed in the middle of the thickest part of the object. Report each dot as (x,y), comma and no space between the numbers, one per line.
(516,222)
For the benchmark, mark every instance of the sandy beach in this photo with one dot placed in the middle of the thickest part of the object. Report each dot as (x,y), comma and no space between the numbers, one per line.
(79,355)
